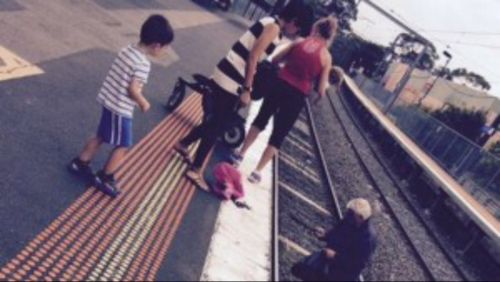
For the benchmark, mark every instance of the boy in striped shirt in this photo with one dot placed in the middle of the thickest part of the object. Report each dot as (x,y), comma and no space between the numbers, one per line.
(119,94)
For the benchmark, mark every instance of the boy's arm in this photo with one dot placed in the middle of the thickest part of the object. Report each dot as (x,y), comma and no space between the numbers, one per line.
(135,93)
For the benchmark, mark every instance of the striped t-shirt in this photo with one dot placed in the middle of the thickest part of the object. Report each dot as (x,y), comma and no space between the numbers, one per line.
(230,72)
(129,64)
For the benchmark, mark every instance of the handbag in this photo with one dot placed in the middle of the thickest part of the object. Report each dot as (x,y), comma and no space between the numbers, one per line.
(265,77)
(312,268)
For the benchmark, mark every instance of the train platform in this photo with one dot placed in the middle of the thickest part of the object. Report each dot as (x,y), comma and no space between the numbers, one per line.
(161,227)
(140,234)
(470,205)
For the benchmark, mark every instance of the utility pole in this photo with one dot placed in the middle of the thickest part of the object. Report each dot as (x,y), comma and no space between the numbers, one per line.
(404,80)
(422,39)
(448,56)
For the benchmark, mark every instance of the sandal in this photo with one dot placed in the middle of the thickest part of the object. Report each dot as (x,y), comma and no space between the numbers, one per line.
(184,152)
(197,180)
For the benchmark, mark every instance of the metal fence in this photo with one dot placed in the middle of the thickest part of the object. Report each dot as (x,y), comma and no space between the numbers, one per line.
(475,168)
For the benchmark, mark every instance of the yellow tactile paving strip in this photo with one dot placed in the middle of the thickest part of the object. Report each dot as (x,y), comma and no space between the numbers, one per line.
(126,238)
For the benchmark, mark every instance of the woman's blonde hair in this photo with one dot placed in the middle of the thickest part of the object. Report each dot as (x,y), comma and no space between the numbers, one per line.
(326,28)
(360,207)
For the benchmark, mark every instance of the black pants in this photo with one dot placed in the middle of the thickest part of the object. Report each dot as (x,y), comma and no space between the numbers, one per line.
(224,104)
(285,103)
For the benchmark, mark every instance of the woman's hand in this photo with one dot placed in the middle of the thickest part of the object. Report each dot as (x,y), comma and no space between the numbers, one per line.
(340,75)
(245,99)
(329,253)
(144,105)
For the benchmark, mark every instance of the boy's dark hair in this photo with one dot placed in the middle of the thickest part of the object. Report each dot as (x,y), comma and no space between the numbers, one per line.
(157,29)
(299,12)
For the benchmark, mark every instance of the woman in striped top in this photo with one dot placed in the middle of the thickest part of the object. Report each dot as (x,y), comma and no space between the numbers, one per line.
(234,77)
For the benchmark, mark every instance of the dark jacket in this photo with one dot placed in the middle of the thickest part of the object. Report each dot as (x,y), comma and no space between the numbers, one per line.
(353,246)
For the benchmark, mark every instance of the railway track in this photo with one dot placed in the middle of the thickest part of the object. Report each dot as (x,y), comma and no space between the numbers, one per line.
(306,197)
(428,250)
(449,254)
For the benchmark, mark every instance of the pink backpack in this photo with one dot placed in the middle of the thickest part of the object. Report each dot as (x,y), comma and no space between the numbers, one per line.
(228,184)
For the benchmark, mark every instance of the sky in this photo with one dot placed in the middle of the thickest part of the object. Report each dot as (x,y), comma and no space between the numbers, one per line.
(468,29)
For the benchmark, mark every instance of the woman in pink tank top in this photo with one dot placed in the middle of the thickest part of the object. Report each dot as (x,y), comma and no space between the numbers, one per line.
(305,62)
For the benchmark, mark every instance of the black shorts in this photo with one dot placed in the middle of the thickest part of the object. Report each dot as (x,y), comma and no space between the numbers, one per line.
(284,103)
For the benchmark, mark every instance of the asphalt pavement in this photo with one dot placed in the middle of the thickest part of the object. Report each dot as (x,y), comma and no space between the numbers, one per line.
(46,118)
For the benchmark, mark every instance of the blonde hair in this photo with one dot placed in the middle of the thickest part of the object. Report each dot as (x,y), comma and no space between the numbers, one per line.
(326,28)
(360,207)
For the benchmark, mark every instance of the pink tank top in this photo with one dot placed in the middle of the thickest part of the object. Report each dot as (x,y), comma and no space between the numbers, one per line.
(303,64)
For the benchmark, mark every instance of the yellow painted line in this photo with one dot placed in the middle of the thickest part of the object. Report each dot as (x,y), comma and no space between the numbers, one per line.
(141,230)
(12,66)
(140,215)
(168,186)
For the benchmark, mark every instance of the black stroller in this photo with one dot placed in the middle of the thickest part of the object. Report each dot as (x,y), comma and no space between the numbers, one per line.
(234,134)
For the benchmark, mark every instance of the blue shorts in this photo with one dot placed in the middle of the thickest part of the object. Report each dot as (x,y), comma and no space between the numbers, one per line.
(115,129)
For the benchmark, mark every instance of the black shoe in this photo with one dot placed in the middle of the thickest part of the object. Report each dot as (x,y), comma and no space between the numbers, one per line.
(81,168)
(106,184)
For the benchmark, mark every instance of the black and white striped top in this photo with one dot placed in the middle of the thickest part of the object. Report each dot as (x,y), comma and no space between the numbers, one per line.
(230,72)
(129,64)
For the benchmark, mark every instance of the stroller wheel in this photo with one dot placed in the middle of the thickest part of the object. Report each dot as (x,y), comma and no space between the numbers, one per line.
(176,97)
(234,135)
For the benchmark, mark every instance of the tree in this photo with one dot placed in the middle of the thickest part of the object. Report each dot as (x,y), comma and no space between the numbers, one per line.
(443,72)
(408,48)
(344,10)
(472,78)
(466,122)
(349,49)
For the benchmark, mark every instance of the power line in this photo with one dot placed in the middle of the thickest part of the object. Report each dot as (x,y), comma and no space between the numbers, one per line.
(477,45)
(444,43)
(444,31)
(481,33)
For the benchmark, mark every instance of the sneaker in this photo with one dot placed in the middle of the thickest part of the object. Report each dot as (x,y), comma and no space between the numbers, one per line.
(81,168)
(255,177)
(236,159)
(106,184)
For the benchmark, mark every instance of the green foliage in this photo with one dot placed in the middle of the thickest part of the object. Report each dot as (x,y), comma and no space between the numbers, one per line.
(472,78)
(408,48)
(352,49)
(466,122)
(344,10)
